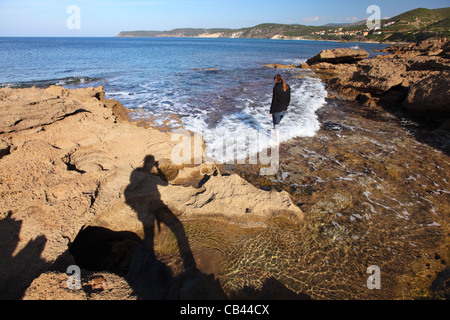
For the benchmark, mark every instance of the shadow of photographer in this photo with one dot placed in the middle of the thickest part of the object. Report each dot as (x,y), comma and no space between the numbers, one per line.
(143,197)
(134,258)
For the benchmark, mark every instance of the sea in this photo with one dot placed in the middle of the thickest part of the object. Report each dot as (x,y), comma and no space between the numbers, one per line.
(214,87)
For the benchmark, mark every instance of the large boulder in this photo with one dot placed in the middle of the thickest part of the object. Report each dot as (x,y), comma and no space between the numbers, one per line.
(341,55)
(430,95)
(373,76)
(413,77)
(378,75)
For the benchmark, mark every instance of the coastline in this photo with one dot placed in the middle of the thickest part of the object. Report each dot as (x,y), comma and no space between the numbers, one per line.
(91,178)
(411,78)
(361,182)
(284,38)
(363,165)
(370,187)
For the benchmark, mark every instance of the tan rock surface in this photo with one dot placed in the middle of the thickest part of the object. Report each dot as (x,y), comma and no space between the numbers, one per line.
(53,286)
(413,76)
(340,55)
(68,160)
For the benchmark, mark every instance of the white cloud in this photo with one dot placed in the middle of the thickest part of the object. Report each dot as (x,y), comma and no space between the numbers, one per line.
(313,19)
(351,19)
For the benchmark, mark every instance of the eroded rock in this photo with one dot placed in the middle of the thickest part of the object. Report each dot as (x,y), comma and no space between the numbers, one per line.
(336,56)
(413,77)
(67,162)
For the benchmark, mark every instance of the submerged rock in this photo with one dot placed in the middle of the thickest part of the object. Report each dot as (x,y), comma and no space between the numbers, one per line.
(280,66)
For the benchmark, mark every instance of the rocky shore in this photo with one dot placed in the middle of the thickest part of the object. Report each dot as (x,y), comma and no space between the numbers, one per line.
(373,181)
(413,78)
(81,185)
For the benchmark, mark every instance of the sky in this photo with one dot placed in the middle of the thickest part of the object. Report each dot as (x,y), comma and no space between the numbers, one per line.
(106,18)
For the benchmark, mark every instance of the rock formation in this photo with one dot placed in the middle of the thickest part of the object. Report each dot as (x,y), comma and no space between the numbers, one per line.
(69,159)
(280,66)
(335,56)
(414,76)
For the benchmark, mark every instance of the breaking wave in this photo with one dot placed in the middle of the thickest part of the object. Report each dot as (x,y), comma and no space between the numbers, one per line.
(249,129)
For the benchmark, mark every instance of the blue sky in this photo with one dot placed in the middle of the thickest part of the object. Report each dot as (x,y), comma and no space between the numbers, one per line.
(108,18)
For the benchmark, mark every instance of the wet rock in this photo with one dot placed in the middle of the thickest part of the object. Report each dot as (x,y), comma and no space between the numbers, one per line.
(366,99)
(280,66)
(205,69)
(413,78)
(201,287)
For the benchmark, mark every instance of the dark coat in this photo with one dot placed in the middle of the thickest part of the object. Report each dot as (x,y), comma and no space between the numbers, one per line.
(280,99)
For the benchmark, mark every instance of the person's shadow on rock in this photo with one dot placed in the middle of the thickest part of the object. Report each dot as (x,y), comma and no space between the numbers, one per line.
(143,197)
(133,257)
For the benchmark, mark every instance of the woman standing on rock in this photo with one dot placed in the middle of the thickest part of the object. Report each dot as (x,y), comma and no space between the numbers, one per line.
(280,103)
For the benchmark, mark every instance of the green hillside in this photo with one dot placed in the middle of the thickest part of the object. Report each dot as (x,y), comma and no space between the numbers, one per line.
(417,24)
(421,18)
(443,25)
(414,25)
(180,32)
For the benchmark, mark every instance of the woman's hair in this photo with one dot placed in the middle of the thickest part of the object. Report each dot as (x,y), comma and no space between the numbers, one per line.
(279,78)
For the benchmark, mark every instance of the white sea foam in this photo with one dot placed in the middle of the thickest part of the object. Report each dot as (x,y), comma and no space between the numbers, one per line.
(237,120)
(250,128)
(119,93)
(294,61)
(72,80)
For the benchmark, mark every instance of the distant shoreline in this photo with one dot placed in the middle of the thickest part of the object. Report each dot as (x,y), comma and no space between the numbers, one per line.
(408,27)
(185,37)
(319,40)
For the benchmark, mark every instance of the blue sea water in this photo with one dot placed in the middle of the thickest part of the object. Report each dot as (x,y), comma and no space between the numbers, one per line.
(217,87)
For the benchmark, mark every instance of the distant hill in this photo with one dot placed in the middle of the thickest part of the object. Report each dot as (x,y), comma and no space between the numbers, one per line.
(417,24)
(181,32)
(337,25)
(410,26)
